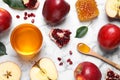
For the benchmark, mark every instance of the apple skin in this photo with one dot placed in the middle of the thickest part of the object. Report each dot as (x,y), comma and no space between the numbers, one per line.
(5,19)
(87,71)
(55,11)
(109,36)
(80,77)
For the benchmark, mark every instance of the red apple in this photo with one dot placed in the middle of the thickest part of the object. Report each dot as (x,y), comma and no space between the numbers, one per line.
(5,19)
(54,11)
(109,36)
(87,71)
(80,77)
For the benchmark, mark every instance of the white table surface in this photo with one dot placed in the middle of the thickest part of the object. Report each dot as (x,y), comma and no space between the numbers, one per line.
(51,50)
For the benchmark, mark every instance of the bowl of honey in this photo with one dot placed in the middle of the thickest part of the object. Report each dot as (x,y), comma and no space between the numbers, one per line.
(26,39)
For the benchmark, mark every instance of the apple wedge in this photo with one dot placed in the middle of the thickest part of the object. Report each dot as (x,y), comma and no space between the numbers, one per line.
(9,71)
(113,8)
(44,69)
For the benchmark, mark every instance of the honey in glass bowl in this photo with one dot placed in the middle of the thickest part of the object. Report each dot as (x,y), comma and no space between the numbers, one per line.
(26,39)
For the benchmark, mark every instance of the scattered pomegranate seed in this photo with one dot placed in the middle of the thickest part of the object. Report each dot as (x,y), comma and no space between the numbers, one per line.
(70,62)
(25,13)
(25,18)
(29,15)
(70,52)
(61,63)
(32,20)
(17,16)
(59,59)
(32,15)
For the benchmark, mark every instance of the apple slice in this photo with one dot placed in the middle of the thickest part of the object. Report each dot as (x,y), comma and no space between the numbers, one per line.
(112,8)
(9,71)
(44,69)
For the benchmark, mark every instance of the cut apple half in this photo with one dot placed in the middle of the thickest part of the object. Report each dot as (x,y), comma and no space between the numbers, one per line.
(9,71)
(113,8)
(44,69)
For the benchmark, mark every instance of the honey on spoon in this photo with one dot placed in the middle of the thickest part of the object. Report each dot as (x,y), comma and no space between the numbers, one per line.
(84,49)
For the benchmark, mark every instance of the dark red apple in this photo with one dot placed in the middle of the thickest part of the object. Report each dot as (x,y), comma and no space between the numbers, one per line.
(87,71)
(109,36)
(5,19)
(55,11)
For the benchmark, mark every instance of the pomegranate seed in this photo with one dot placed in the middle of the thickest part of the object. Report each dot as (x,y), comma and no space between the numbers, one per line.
(70,52)
(25,13)
(68,60)
(117,76)
(32,15)
(29,15)
(61,63)
(32,20)
(17,16)
(59,59)
(25,18)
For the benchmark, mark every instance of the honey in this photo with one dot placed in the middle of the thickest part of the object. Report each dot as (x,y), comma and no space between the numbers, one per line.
(83,48)
(26,40)
(86,9)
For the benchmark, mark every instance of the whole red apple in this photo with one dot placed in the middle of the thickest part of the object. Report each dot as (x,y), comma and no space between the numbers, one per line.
(87,71)
(5,19)
(109,36)
(54,11)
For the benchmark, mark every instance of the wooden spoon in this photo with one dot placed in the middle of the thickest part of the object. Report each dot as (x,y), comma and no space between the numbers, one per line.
(83,48)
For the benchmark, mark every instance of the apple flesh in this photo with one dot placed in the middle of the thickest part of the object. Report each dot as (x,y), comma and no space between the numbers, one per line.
(5,19)
(87,71)
(55,11)
(112,8)
(44,69)
(109,36)
(9,71)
